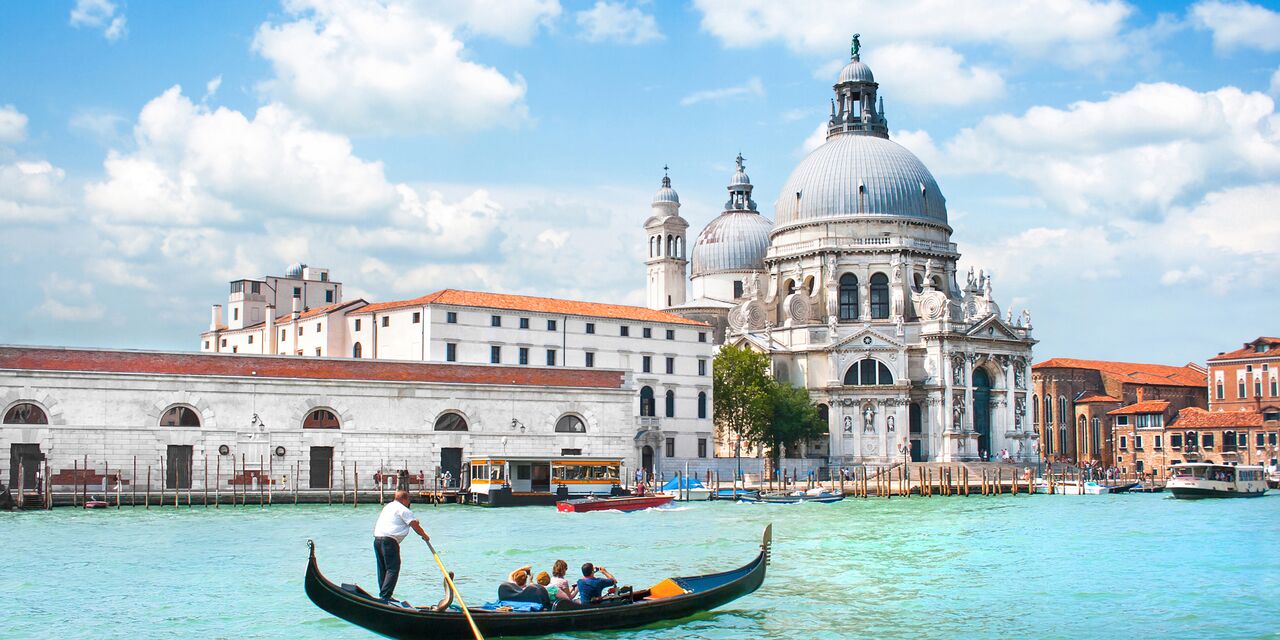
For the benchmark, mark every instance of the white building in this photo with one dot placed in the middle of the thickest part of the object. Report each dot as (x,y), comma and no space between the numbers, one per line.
(669,356)
(321,418)
(853,292)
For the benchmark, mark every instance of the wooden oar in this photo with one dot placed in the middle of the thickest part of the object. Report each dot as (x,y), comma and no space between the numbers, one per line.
(474,629)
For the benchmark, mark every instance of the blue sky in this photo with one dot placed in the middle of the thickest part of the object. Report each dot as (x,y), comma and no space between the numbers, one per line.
(1115,165)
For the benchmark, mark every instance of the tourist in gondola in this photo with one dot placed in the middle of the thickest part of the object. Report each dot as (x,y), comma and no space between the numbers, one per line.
(589,586)
(564,592)
(394,525)
(518,589)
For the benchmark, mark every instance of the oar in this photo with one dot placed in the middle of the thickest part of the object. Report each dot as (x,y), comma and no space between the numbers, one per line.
(474,629)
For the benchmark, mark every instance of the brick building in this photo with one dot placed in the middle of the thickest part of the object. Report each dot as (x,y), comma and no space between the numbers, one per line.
(1072,400)
(1148,441)
(1247,379)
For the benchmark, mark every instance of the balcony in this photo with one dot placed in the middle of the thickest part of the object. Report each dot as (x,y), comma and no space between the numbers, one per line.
(648,422)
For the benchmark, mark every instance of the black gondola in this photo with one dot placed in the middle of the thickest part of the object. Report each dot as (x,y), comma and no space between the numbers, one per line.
(704,592)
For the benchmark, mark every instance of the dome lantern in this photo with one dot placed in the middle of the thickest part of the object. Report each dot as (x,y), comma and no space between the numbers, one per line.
(854,109)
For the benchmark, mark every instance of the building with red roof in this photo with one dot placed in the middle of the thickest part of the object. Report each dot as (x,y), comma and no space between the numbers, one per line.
(1247,379)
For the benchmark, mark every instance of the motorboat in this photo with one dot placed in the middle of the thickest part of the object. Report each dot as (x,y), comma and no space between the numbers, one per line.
(623,503)
(94,502)
(667,600)
(685,488)
(1072,487)
(1207,480)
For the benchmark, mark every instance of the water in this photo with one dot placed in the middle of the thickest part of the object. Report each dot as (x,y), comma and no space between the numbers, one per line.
(996,567)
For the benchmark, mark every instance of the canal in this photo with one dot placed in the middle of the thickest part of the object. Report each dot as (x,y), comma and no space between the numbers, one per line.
(975,567)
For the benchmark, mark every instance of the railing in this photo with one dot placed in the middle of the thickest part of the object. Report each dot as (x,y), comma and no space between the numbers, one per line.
(648,422)
(893,242)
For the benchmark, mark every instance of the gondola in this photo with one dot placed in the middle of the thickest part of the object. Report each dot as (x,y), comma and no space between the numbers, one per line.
(794,497)
(641,607)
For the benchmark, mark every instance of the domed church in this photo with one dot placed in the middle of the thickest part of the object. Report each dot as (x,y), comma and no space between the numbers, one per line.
(853,292)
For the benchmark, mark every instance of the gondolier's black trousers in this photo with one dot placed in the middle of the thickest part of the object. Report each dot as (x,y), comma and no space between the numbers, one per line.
(387,552)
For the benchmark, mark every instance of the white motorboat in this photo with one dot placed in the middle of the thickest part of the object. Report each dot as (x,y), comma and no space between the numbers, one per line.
(1071,488)
(1206,480)
(690,489)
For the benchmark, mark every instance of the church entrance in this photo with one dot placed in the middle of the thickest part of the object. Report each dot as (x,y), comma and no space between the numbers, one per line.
(982,409)
(646,460)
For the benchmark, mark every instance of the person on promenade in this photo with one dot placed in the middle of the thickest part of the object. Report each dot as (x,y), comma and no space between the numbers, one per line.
(394,525)
(564,590)
(589,586)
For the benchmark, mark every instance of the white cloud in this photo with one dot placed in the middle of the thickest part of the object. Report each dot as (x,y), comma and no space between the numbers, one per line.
(31,192)
(927,74)
(1238,24)
(196,165)
(815,139)
(1140,149)
(617,22)
(391,67)
(66,299)
(1275,84)
(103,126)
(13,124)
(553,238)
(751,88)
(99,14)
(1070,31)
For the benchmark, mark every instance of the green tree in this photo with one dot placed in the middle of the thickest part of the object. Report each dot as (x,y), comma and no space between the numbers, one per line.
(793,418)
(741,386)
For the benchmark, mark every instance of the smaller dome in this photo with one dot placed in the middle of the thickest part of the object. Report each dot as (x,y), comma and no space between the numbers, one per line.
(739,178)
(295,270)
(733,241)
(855,71)
(665,194)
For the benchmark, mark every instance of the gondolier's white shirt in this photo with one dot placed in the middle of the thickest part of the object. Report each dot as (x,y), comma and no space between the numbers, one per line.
(393,522)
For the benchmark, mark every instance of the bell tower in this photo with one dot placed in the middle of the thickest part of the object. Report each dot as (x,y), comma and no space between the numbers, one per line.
(667,251)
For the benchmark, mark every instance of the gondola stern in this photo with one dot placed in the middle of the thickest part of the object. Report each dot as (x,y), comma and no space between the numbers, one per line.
(766,545)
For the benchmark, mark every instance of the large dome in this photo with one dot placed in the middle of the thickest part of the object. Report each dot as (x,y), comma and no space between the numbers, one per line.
(734,241)
(860,175)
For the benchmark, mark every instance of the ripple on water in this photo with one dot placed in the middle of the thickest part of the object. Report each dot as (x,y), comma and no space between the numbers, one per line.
(1045,566)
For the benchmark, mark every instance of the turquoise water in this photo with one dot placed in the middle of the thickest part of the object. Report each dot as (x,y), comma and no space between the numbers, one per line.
(980,567)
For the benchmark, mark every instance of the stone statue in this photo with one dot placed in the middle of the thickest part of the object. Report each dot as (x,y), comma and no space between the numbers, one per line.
(957,370)
(1020,374)
(957,413)
(855,46)
(889,423)
(1019,408)
(833,323)
(848,424)
(868,418)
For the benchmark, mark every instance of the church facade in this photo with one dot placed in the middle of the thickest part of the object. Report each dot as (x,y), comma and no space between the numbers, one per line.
(853,291)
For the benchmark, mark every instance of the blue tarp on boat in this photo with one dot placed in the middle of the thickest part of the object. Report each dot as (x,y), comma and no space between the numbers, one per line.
(675,484)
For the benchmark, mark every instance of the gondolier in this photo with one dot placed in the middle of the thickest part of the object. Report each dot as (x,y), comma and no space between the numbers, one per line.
(394,525)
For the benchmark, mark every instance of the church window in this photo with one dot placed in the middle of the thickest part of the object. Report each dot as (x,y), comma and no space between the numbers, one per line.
(737,289)
(27,413)
(868,372)
(1048,410)
(1062,411)
(879,297)
(918,283)
(848,297)
(1035,410)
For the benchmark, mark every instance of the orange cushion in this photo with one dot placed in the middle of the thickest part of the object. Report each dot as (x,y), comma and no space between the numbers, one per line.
(666,589)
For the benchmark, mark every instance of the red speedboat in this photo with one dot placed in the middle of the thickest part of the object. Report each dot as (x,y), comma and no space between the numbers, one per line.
(622,503)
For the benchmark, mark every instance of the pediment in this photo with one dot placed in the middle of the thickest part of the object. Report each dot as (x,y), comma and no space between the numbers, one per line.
(865,339)
(992,327)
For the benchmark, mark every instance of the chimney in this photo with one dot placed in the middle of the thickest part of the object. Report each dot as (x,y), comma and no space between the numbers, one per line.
(215,319)
(1142,392)
(297,307)
(269,329)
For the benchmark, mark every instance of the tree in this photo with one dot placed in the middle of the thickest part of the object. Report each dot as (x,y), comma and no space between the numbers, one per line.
(794,418)
(741,386)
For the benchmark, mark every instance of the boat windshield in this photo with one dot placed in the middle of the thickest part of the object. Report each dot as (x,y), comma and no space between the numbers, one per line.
(587,472)
(1189,472)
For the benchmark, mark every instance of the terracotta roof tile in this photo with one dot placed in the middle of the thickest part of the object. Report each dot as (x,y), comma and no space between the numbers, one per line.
(1195,417)
(1146,406)
(1136,373)
(288,317)
(1250,351)
(206,364)
(1095,396)
(459,298)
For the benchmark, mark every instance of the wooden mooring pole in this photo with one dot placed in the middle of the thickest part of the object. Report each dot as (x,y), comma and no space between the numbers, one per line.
(217,482)
(355,494)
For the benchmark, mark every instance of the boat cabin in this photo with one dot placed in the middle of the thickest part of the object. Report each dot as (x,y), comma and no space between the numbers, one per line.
(1206,480)
(523,480)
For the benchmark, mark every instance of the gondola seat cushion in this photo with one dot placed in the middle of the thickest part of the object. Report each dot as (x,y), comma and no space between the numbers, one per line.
(666,589)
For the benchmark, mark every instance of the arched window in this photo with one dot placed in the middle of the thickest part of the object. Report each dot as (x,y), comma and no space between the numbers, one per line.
(26,413)
(1082,435)
(671,403)
(650,246)
(180,416)
(868,372)
(356,350)
(918,282)
(1095,442)
(879,296)
(1035,410)
(570,423)
(808,286)
(1063,419)
(702,405)
(1048,441)
(647,406)
(320,419)
(788,287)
(671,245)
(848,297)
(824,414)
(451,422)
(1048,411)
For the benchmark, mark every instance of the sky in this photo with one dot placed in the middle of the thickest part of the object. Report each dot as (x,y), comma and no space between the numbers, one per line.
(1114,165)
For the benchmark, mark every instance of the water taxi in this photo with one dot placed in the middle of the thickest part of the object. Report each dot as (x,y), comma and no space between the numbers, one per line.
(1206,480)
(528,480)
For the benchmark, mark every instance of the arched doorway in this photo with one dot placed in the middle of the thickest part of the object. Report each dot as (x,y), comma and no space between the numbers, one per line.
(915,422)
(982,409)
(646,461)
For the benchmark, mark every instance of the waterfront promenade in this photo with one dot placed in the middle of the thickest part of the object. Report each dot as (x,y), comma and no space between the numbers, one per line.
(1005,566)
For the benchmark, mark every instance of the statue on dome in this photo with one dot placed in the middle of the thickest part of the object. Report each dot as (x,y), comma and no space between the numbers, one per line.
(855,46)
